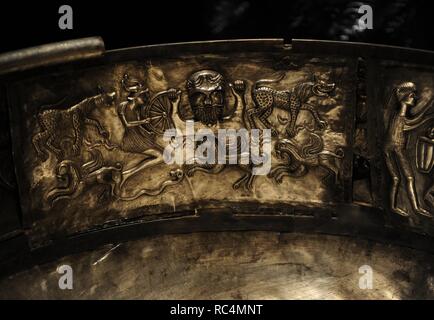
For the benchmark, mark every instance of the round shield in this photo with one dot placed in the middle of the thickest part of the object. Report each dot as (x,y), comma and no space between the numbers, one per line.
(424,154)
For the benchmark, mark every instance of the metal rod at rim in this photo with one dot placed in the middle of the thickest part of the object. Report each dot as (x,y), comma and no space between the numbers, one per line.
(50,54)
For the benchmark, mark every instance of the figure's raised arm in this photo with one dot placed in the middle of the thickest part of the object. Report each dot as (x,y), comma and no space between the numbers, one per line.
(411,125)
(414,121)
(127,123)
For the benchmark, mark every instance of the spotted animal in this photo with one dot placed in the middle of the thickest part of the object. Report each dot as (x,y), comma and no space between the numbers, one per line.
(62,130)
(292,101)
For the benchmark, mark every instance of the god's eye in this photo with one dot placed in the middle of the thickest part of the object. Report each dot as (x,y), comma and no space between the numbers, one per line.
(217,97)
(197,98)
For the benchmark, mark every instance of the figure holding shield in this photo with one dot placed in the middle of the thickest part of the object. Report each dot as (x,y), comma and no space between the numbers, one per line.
(402,98)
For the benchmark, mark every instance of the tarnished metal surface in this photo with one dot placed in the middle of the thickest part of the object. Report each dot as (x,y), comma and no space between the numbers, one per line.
(91,157)
(237,265)
(351,146)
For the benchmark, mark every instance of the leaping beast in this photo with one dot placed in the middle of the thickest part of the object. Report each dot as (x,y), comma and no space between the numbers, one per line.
(294,100)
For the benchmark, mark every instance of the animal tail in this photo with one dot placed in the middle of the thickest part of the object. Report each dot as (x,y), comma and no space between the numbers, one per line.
(152,192)
(262,82)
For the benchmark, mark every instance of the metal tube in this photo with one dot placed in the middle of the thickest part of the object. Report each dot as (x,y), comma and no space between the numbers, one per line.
(50,54)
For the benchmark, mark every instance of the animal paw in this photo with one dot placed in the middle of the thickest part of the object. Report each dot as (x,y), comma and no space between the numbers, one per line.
(278,180)
(273,175)
(236,185)
(176,175)
(248,186)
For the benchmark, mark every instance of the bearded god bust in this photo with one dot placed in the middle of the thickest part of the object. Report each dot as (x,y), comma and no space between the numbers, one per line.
(207,97)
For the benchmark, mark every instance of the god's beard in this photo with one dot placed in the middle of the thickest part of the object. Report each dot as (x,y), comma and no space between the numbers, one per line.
(208,115)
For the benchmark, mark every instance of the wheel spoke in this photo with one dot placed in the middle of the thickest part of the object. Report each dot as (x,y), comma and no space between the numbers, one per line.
(157,104)
(158,121)
(155,112)
(167,124)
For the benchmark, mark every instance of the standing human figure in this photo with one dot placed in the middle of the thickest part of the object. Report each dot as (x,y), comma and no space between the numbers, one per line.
(402,98)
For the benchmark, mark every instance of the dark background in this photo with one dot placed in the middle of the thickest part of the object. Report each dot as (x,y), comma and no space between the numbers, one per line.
(127,23)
